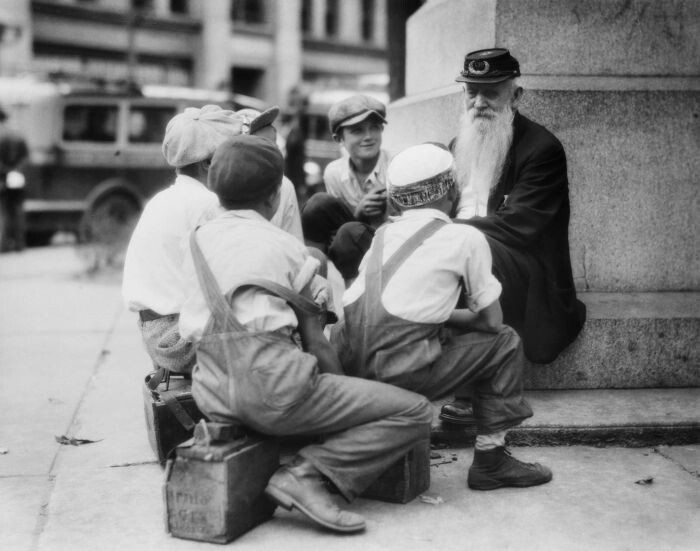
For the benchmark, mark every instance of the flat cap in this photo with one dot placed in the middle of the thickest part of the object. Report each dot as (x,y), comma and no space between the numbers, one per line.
(353,110)
(489,66)
(245,168)
(349,246)
(254,120)
(194,135)
(420,175)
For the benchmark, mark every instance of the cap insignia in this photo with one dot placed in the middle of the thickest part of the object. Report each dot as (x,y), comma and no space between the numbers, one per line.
(479,67)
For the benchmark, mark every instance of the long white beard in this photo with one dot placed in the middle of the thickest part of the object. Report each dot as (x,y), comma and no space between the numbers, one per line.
(480,152)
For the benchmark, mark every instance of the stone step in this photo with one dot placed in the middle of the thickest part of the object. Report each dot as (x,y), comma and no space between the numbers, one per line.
(625,417)
(630,340)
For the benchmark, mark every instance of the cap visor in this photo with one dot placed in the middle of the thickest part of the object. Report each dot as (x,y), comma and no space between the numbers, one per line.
(361,117)
(264,119)
(491,80)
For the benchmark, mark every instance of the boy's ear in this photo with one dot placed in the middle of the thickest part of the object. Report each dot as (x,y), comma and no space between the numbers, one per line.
(338,136)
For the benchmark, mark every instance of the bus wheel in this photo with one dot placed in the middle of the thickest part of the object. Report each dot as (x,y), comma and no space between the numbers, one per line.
(105,230)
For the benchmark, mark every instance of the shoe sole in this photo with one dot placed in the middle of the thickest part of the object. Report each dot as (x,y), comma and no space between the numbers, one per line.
(495,484)
(461,421)
(287,502)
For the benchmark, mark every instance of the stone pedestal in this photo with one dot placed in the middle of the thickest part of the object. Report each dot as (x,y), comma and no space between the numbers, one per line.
(617,83)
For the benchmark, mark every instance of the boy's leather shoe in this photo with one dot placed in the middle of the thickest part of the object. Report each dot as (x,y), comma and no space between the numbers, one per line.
(458,412)
(497,468)
(303,489)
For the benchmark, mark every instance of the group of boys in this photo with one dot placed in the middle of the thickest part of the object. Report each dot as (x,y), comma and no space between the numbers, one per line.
(227,290)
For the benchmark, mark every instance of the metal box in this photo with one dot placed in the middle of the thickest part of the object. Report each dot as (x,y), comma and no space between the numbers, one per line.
(164,428)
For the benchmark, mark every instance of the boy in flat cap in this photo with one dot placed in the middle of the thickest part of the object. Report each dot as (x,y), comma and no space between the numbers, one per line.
(513,176)
(355,185)
(153,284)
(425,344)
(250,292)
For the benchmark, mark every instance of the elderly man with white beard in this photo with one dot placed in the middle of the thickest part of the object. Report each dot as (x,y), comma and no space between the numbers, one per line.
(513,177)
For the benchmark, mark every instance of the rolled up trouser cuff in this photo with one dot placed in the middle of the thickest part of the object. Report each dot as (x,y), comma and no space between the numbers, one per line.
(165,346)
(496,414)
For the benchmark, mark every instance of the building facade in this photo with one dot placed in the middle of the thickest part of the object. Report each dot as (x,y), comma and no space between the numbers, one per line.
(263,48)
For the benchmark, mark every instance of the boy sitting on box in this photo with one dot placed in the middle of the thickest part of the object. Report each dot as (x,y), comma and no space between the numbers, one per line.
(250,294)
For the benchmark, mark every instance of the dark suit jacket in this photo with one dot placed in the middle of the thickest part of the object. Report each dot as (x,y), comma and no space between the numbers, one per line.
(527,223)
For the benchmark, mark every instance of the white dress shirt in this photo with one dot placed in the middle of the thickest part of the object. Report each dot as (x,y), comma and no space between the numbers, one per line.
(426,286)
(287,216)
(153,264)
(239,245)
(341,181)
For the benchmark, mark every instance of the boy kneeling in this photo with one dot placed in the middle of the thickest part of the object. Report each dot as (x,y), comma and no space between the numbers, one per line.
(254,292)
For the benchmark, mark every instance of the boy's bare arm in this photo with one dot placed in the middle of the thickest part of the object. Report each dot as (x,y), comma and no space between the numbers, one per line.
(315,342)
(489,319)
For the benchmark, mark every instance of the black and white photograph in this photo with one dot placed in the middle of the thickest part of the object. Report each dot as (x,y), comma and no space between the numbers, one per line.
(390,275)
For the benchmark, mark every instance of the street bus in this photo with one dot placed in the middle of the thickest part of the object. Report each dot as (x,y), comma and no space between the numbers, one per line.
(95,149)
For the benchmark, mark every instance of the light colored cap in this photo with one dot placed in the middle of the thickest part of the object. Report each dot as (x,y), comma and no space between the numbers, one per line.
(194,134)
(353,110)
(254,120)
(420,175)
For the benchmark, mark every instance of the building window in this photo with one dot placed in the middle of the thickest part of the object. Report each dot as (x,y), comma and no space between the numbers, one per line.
(306,11)
(142,5)
(331,17)
(180,7)
(248,11)
(368,20)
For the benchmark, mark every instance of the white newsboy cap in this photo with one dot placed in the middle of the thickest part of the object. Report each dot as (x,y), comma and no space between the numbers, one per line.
(420,175)
(194,134)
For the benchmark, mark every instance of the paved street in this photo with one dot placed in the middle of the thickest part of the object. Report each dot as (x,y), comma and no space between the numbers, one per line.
(72,364)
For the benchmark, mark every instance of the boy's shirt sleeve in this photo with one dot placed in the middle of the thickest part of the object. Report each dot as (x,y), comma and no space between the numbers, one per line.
(482,287)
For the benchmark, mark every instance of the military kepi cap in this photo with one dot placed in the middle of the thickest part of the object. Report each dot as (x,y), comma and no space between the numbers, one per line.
(489,66)
(245,168)
(353,110)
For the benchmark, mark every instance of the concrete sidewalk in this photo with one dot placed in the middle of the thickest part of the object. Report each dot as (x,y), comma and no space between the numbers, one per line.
(72,364)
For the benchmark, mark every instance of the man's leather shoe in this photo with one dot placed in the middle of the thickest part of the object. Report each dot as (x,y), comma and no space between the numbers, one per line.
(302,488)
(458,412)
(497,468)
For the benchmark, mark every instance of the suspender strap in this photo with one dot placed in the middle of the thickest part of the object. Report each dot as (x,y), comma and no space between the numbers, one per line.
(215,300)
(388,270)
(295,299)
(220,306)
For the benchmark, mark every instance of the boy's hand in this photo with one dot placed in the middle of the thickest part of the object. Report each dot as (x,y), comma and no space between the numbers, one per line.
(372,204)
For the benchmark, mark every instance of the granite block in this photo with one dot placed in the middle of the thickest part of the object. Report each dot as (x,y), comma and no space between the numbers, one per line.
(555,37)
(629,341)
(633,166)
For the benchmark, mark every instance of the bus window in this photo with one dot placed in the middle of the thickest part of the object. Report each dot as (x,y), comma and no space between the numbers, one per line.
(90,123)
(147,124)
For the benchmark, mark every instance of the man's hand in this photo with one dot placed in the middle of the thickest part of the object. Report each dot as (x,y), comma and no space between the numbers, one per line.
(372,204)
